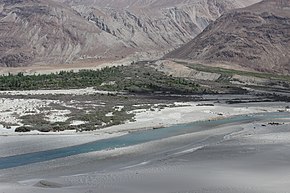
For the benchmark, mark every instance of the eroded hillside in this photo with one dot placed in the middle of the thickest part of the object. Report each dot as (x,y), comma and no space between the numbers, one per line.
(50,32)
(255,38)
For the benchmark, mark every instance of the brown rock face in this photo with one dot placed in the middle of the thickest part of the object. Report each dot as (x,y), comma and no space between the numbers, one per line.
(256,37)
(52,32)
(46,32)
(154,25)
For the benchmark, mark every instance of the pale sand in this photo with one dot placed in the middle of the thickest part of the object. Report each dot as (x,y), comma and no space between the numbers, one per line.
(145,119)
(226,159)
(12,109)
(191,112)
(222,166)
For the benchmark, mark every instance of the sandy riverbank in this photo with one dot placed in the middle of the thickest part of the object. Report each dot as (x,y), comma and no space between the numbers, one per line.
(242,158)
(238,158)
(13,142)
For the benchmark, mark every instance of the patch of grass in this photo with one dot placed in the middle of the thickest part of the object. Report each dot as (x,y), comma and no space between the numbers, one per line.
(99,119)
(37,119)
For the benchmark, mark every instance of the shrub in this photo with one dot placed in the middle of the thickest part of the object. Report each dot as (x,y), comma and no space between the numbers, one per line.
(23,129)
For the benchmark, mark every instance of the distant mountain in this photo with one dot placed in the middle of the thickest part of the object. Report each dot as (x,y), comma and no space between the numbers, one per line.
(154,25)
(256,37)
(61,31)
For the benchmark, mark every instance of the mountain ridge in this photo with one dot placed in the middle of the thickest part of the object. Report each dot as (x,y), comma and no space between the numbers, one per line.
(256,37)
(58,32)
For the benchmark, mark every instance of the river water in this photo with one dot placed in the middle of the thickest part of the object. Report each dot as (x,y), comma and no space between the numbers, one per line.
(134,138)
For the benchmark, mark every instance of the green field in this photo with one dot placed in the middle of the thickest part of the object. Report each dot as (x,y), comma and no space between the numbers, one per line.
(134,78)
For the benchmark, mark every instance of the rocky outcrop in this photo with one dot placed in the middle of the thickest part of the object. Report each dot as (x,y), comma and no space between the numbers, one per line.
(256,37)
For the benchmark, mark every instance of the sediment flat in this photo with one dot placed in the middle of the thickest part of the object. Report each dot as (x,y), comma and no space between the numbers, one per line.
(249,157)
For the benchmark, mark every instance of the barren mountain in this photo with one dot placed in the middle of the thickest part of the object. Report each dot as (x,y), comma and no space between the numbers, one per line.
(256,37)
(150,25)
(62,31)
(43,31)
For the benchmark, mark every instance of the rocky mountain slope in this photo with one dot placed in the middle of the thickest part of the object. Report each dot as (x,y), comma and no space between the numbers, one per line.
(256,37)
(44,32)
(148,25)
(62,31)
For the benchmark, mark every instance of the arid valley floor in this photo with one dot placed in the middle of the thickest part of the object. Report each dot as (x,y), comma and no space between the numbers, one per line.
(201,146)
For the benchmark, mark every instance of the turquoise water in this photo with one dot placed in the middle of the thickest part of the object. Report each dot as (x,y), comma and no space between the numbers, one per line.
(131,139)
